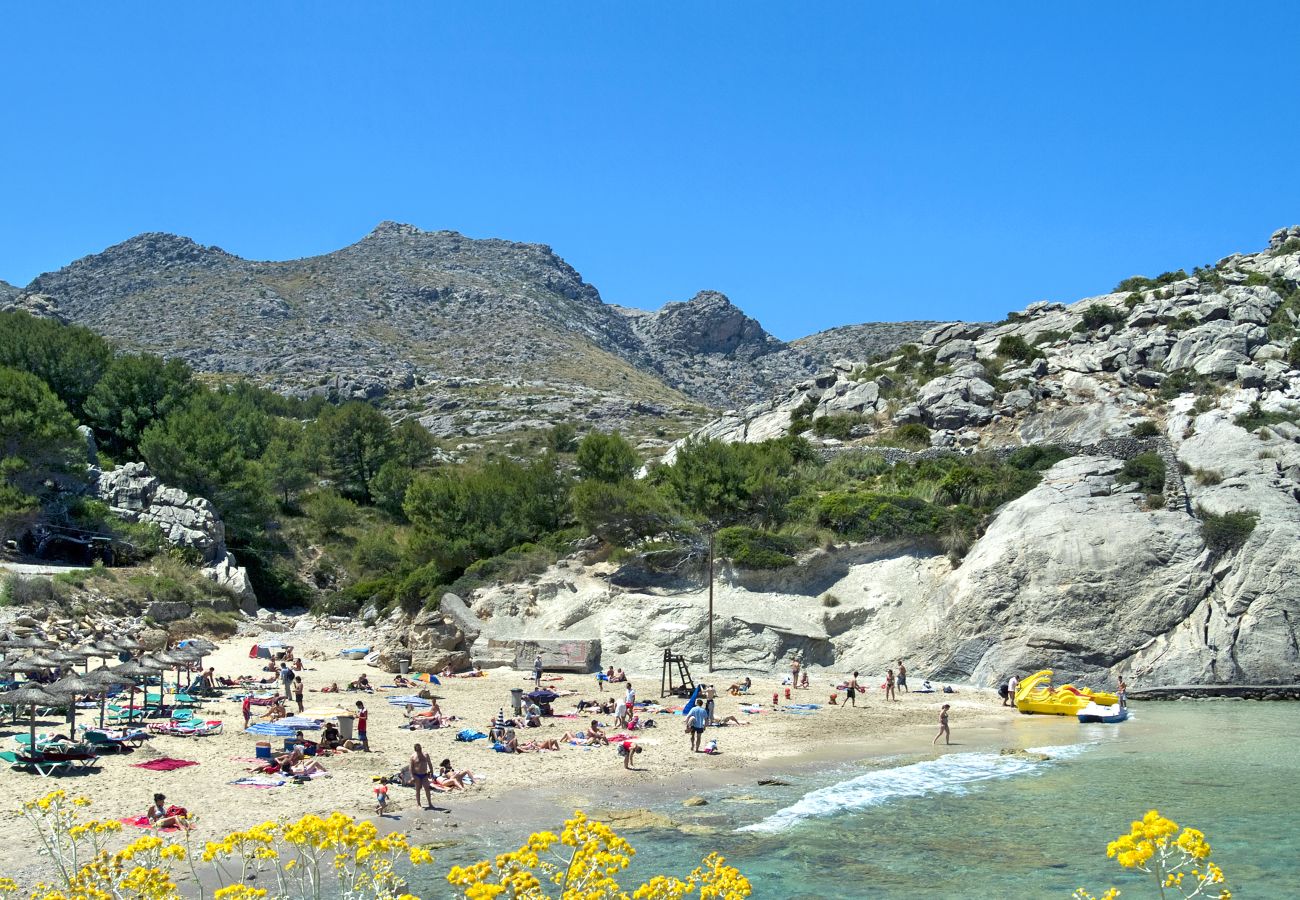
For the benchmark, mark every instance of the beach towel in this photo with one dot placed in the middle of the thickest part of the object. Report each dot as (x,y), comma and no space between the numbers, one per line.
(469,734)
(257,781)
(143,822)
(166,764)
(691,702)
(802,706)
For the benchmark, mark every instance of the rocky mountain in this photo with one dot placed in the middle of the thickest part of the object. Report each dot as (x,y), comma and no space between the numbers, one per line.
(8,292)
(866,341)
(1089,573)
(475,337)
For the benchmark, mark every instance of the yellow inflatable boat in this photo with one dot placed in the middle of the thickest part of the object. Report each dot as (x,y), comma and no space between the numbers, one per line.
(1035,694)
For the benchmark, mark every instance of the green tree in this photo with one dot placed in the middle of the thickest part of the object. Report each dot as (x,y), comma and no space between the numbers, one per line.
(563,438)
(622,513)
(606,457)
(389,487)
(357,440)
(39,443)
(286,470)
(331,512)
(68,358)
(210,447)
(133,392)
(413,445)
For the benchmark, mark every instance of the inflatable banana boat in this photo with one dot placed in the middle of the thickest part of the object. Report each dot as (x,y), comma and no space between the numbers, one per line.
(1035,694)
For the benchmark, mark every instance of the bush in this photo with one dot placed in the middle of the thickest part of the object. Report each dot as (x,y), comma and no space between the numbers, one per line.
(1148,470)
(1208,477)
(20,591)
(1227,532)
(331,512)
(830,601)
(1051,336)
(1293,355)
(1155,501)
(606,457)
(1255,417)
(623,513)
(1141,282)
(1013,346)
(751,548)
(865,515)
(839,426)
(1036,457)
(1098,315)
(912,436)
(1145,429)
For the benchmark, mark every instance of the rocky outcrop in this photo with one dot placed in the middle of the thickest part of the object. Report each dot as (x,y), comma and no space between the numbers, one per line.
(188,522)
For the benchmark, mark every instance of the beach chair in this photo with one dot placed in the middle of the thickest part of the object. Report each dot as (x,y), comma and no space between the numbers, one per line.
(103,741)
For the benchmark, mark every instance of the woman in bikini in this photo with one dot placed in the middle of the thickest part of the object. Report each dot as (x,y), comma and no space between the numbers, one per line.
(943,727)
(161,815)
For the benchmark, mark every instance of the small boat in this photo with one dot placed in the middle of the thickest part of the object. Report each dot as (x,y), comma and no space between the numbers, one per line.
(355,653)
(1107,715)
(1035,694)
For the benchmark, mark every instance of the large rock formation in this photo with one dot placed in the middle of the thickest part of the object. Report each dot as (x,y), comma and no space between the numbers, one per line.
(1085,574)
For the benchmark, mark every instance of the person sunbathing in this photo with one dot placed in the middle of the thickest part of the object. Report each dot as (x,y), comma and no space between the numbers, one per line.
(729,720)
(403,681)
(448,777)
(275,711)
(362,684)
(297,763)
(447,672)
(592,737)
(741,687)
(162,816)
(332,689)
(538,746)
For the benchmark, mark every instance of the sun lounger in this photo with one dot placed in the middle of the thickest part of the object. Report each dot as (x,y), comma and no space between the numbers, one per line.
(46,764)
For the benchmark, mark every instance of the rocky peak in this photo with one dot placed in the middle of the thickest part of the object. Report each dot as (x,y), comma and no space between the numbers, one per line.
(707,323)
(1282,235)
(7,291)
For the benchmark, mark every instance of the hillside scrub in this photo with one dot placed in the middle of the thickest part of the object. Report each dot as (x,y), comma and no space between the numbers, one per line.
(1227,532)
(753,548)
(1148,470)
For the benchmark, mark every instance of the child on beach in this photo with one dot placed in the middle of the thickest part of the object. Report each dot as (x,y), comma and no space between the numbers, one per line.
(943,727)
(627,750)
(381,798)
(363,726)
(247,708)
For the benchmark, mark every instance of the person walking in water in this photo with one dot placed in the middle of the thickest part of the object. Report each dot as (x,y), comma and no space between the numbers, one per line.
(943,726)
(889,685)
(851,692)
(1122,693)
(902,677)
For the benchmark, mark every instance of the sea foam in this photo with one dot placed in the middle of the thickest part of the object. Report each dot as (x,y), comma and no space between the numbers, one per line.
(949,774)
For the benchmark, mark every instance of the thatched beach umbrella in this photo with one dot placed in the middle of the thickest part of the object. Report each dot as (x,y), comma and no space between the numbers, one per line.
(133,670)
(105,679)
(32,696)
(71,686)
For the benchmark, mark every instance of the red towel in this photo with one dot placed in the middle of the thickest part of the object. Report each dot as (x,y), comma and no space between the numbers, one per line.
(166,764)
(143,822)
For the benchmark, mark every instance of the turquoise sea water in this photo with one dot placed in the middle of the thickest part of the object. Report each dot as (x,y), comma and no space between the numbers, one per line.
(975,824)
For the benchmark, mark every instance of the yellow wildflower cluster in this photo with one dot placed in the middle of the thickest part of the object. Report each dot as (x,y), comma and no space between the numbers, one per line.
(315,857)
(583,863)
(1174,859)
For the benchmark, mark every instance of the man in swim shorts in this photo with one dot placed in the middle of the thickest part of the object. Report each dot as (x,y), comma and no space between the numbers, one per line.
(696,719)
(422,774)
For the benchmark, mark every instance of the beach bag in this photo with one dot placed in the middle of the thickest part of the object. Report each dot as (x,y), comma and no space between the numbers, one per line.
(1002,691)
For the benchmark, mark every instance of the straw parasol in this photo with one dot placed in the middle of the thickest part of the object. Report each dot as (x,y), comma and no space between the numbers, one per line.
(133,670)
(127,643)
(105,679)
(30,665)
(32,696)
(71,686)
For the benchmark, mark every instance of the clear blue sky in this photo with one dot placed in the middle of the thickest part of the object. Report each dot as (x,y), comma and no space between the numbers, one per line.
(820,163)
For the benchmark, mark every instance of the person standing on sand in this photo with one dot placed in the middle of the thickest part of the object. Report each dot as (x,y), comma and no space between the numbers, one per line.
(363,726)
(286,679)
(537,671)
(902,676)
(794,671)
(696,719)
(297,692)
(889,685)
(1012,683)
(247,708)
(851,692)
(709,696)
(943,726)
(422,775)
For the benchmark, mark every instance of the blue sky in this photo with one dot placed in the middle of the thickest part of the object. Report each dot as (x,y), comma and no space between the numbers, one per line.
(819,163)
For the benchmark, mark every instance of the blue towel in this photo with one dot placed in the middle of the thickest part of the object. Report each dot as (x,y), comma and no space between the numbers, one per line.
(691,702)
(802,706)
(469,734)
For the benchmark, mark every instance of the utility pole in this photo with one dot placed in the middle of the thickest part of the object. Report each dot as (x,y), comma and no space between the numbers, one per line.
(710,600)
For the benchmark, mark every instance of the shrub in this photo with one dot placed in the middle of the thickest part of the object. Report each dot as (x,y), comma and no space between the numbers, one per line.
(1293,355)
(20,591)
(1227,532)
(751,548)
(331,511)
(1013,346)
(1145,429)
(1155,501)
(1050,336)
(912,436)
(1098,315)
(1255,417)
(1036,457)
(830,601)
(1141,282)
(1292,245)
(1148,470)
(839,426)
(1208,477)
(1256,279)
(1133,299)
(865,515)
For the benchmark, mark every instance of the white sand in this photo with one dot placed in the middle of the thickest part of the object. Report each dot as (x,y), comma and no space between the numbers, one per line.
(119,790)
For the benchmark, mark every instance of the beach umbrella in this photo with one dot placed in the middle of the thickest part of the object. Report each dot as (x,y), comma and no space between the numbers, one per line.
(133,670)
(270,729)
(127,643)
(32,696)
(34,642)
(30,665)
(71,686)
(105,679)
(300,723)
(65,657)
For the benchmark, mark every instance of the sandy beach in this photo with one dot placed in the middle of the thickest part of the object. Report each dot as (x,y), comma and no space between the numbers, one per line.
(543,787)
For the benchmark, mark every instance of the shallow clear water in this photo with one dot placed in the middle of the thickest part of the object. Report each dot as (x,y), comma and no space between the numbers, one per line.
(973,824)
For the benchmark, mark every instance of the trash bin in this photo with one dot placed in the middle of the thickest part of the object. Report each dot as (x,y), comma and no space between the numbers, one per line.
(517,700)
(345,728)
(403,665)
